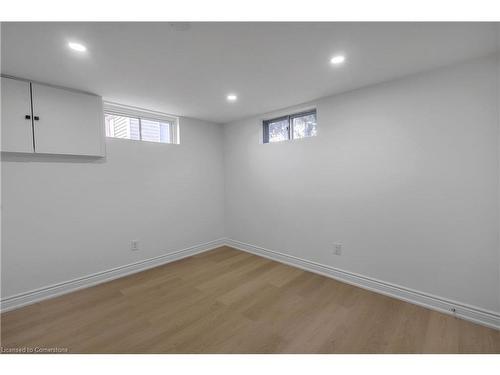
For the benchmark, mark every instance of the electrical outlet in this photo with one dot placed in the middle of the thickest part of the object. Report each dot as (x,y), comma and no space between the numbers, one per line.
(134,245)
(337,248)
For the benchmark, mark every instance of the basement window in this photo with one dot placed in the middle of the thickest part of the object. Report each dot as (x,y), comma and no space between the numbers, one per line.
(294,126)
(138,124)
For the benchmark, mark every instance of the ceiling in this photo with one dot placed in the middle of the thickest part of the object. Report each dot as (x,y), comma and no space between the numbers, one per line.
(187,69)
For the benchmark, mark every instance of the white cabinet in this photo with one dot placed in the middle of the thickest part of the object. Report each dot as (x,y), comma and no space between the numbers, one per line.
(17,126)
(61,121)
(67,122)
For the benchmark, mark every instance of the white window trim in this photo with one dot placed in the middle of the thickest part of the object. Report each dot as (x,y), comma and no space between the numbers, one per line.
(141,113)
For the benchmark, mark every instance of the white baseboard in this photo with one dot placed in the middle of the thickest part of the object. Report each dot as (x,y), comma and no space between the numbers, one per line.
(461,310)
(27,298)
(474,314)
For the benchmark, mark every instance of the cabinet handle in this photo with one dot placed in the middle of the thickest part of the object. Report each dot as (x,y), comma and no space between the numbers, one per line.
(27,117)
(36,118)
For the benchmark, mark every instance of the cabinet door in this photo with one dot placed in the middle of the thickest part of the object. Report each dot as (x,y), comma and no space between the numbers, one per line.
(17,130)
(67,122)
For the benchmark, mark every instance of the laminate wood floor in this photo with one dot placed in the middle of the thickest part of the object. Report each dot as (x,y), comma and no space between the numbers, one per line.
(228,301)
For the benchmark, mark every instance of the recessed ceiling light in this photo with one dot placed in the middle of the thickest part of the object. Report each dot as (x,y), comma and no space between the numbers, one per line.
(77,47)
(337,60)
(231,97)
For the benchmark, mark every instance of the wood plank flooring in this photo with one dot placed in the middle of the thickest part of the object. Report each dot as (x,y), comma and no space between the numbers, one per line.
(227,301)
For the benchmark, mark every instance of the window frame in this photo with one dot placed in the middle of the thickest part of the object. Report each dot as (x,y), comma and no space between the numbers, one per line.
(289,118)
(140,114)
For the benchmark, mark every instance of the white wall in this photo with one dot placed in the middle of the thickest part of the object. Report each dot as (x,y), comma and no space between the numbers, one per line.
(404,174)
(67,217)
